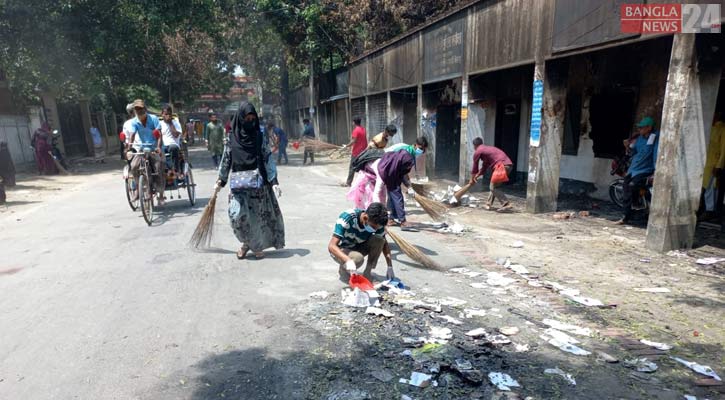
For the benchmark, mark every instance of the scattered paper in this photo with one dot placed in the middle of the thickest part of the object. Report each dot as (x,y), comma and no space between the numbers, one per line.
(360,298)
(418,379)
(519,269)
(587,301)
(478,285)
(440,333)
(478,332)
(378,311)
(517,244)
(656,345)
(451,302)
(567,347)
(521,348)
(557,371)
(710,260)
(509,330)
(652,290)
(450,320)
(561,336)
(496,279)
(641,365)
(473,312)
(567,327)
(502,381)
(700,369)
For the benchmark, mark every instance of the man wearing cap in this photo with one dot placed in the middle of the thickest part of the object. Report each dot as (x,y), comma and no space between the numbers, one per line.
(643,147)
(142,129)
(127,131)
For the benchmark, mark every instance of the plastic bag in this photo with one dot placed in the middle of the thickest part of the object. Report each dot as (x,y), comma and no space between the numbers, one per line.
(499,174)
(710,195)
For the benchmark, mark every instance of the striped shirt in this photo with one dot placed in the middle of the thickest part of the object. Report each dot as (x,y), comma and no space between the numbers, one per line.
(351,231)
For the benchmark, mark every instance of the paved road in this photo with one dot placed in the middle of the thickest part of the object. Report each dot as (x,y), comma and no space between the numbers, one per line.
(96,305)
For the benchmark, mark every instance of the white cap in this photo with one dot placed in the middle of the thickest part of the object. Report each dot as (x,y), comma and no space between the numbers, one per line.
(129,107)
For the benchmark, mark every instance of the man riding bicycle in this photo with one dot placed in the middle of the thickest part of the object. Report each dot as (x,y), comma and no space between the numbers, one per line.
(143,126)
(171,138)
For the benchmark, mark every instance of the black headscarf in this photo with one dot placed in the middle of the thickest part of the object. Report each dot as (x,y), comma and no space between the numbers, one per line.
(246,146)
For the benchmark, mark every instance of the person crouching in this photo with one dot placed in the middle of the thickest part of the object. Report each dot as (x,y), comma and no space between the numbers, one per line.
(358,234)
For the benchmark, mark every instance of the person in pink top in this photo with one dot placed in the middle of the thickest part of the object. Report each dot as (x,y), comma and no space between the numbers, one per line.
(491,157)
(359,143)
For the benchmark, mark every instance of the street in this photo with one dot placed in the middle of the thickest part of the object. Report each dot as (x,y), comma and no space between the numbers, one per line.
(96,305)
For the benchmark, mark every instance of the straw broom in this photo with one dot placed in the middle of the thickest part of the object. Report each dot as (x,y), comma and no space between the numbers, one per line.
(201,238)
(463,191)
(433,208)
(413,252)
(319,145)
(58,165)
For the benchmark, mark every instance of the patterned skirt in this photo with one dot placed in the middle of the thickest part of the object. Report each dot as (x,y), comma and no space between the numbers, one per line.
(256,218)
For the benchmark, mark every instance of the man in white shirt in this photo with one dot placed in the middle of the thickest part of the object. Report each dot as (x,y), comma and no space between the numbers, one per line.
(171,137)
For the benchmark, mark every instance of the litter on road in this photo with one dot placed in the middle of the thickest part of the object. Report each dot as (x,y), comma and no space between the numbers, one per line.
(652,290)
(440,333)
(378,311)
(656,345)
(700,369)
(567,347)
(561,336)
(641,365)
(418,379)
(496,279)
(360,298)
(517,244)
(567,327)
(322,295)
(478,332)
(509,330)
(709,260)
(502,381)
(473,312)
(450,320)
(557,371)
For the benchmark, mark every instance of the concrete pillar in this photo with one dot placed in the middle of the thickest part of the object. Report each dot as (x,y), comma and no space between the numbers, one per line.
(420,165)
(86,119)
(692,86)
(545,153)
(464,172)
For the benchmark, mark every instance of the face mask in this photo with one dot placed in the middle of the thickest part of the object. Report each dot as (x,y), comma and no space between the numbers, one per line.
(369,228)
(419,152)
(248,126)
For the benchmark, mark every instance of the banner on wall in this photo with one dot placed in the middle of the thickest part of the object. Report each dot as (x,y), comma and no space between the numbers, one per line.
(537,104)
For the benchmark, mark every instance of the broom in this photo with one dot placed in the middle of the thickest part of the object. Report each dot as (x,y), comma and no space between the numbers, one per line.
(413,252)
(420,188)
(319,145)
(433,208)
(462,191)
(203,232)
(58,165)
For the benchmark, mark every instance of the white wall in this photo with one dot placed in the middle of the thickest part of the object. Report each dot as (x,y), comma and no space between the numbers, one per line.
(585,167)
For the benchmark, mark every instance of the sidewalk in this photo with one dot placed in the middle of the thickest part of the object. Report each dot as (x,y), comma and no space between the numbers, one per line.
(588,259)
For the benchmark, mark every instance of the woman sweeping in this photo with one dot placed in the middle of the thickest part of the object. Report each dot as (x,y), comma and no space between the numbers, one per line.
(41,143)
(247,164)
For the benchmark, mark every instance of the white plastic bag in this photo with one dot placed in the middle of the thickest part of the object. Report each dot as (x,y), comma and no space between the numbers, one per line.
(711,196)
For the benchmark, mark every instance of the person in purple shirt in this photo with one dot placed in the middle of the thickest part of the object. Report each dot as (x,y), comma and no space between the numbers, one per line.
(490,157)
(643,147)
(393,170)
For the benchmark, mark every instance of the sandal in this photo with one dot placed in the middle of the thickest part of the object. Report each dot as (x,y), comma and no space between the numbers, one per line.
(242,253)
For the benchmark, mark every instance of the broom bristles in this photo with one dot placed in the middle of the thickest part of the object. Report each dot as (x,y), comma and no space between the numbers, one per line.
(419,188)
(463,191)
(413,252)
(431,207)
(201,238)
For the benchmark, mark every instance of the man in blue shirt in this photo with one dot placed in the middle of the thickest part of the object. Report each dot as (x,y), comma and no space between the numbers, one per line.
(147,128)
(359,233)
(281,140)
(643,148)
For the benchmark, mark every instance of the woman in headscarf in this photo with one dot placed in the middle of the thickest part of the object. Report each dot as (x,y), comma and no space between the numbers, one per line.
(247,163)
(41,143)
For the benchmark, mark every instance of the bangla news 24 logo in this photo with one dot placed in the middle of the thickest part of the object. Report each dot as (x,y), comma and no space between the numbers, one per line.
(670,18)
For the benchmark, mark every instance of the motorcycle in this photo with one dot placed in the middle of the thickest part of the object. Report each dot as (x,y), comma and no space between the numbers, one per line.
(57,155)
(619,167)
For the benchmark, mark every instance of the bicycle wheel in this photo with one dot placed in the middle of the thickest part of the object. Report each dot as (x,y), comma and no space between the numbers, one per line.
(146,199)
(129,190)
(190,186)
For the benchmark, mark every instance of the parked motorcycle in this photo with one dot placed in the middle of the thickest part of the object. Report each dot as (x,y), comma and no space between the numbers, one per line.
(620,165)
(57,155)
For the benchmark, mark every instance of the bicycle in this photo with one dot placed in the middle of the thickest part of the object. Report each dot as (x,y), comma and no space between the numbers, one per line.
(144,185)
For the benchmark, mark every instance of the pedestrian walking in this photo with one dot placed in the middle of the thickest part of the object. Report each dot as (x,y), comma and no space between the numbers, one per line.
(309,133)
(41,144)
(248,165)
(492,158)
(358,143)
(214,136)
(359,234)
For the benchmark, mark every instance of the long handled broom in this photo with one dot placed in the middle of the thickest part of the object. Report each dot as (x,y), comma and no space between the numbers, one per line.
(462,191)
(413,252)
(431,207)
(58,165)
(201,238)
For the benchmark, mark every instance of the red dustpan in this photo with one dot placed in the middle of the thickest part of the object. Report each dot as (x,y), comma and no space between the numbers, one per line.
(360,282)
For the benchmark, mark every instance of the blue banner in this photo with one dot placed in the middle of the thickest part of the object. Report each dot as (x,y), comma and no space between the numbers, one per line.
(536,105)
